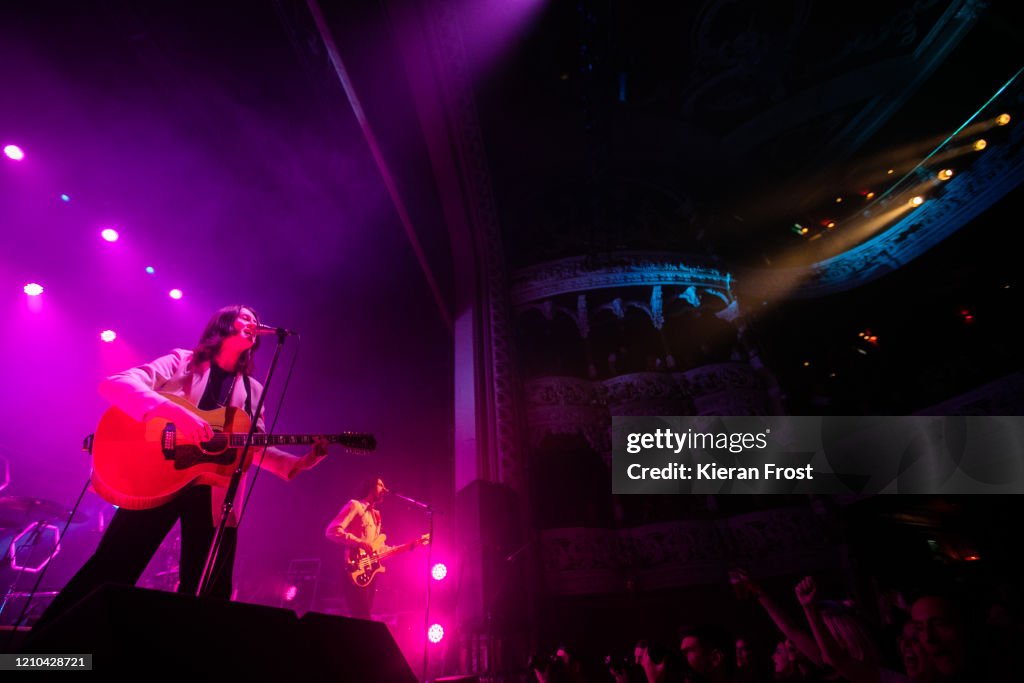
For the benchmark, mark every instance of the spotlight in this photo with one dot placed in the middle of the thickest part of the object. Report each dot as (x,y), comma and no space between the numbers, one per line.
(108,335)
(869,195)
(917,201)
(175,294)
(33,289)
(830,225)
(1002,119)
(980,145)
(65,198)
(14,153)
(945,174)
(109,234)
(150,270)
(839,200)
(439,571)
(290,592)
(435,633)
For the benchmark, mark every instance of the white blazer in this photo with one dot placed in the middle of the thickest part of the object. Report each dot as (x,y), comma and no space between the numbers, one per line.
(135,392)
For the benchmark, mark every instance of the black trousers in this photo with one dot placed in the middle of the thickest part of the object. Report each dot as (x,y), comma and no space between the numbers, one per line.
(134,536)
(359,600)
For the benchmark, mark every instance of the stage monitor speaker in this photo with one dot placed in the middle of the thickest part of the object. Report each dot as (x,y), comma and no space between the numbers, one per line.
(138,631)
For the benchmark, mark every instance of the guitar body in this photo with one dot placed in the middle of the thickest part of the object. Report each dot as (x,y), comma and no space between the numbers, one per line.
(133,467)
(363,566)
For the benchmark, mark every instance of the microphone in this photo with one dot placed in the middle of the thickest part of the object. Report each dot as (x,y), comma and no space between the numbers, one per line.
(262,328)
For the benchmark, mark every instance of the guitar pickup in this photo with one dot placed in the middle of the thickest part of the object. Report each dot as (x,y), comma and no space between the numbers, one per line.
(169,440)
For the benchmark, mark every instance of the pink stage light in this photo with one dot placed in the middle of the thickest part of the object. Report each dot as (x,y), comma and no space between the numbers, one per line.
(14,153)
(439,571)
(33,289)
(435,633)
(175,294)
(108,335)
(290,592)
(109,234)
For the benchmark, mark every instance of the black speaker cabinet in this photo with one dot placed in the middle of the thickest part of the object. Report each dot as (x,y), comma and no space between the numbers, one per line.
(144,632)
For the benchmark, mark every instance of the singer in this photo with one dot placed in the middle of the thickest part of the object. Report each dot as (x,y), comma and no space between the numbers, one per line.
(214,374)
(357,527)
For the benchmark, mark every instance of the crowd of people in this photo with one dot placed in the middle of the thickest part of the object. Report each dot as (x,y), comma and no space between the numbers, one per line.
(936,635)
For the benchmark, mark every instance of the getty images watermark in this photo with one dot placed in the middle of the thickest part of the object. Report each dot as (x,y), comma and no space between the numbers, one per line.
(825,455)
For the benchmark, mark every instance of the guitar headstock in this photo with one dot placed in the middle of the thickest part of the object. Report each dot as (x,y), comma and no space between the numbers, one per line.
(355,441)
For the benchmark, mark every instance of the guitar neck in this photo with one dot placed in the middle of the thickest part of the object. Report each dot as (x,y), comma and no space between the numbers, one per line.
(397,549)
(347,439)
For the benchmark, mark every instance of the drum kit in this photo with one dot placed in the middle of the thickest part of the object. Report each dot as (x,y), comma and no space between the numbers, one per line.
(29,527)
(19,511)
(27,520)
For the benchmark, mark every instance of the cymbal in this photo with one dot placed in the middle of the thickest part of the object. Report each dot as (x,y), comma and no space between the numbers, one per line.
(21,510)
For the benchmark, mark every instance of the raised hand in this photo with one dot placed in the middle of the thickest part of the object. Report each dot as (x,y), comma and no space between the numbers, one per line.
(743,585)
(806,591)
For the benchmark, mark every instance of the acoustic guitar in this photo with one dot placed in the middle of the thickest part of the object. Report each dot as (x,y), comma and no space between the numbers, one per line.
(141,465)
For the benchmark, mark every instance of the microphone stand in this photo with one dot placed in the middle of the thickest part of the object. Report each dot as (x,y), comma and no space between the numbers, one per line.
(206,579)
(430,552)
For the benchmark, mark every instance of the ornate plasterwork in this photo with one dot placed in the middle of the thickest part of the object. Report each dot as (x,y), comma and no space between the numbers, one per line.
(625,269)
(496,340)
(967,195)
(684,553)
(570,405)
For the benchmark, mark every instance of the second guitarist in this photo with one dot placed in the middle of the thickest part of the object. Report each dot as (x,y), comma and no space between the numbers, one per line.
(357,526)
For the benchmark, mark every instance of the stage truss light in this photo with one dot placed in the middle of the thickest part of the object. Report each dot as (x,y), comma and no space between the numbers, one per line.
(14,153)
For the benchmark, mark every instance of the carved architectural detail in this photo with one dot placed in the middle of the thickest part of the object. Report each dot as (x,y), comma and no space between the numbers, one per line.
(648,393)
(624,269)
(569,405)
(468,139)
(968,194)
(684,553)
(710,379)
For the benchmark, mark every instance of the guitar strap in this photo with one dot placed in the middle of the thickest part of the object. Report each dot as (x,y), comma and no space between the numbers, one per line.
(248,396)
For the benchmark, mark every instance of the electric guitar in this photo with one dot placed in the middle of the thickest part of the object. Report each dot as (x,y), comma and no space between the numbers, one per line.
(141,465)
(363,566)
